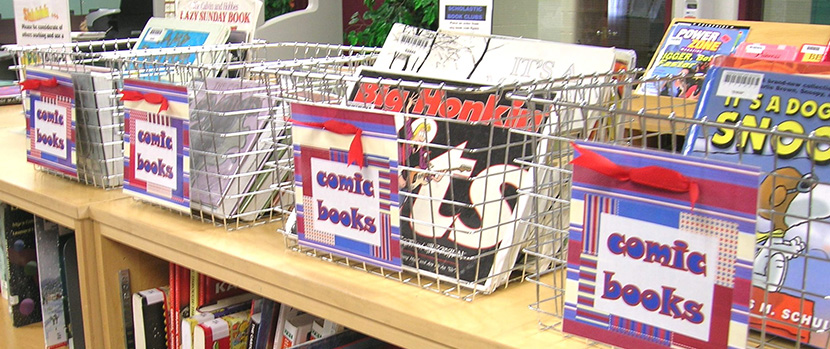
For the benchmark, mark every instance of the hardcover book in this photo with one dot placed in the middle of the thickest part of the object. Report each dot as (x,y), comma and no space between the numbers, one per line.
(149,318)
(213,334)
(50,126)
(660,249)
(157,143)
(346,182)
(780,111)
(21,289)
(686,49)
(52,289)
(461,218)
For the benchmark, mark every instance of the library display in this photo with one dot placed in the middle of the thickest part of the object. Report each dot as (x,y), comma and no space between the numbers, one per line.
(294,202)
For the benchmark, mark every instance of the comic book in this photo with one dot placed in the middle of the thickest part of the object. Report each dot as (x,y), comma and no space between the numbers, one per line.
(778,112)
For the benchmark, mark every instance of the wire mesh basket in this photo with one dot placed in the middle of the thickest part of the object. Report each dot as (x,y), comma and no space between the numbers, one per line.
(226,124)
(663,123)
(462,189)
(85,91)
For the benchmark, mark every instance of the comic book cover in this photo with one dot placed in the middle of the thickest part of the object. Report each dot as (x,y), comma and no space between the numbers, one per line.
(686,49)
(779,112)
(460,216)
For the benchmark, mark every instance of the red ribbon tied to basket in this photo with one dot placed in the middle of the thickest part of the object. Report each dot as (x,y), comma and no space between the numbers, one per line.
(343,128)
(650,176)
(152,98)
(36,84)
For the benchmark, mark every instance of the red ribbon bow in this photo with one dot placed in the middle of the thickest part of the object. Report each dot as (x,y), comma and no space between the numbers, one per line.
(35,84)
(339,127)
(651,176)
(152,98)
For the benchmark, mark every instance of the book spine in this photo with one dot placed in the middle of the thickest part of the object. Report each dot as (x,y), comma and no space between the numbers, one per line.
(253,330)
(171,307)
(194,291)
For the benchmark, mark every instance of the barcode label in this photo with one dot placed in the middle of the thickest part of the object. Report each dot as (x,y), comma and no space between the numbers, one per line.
(739,84)
(413,40)
(755,48)
(812,49)
(154,35)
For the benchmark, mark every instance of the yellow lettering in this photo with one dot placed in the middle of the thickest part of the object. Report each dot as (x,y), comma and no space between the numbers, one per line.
(793,104)
(788,147)
(725,137)
(756,103)
(809,108)
(824,111)
(820,151)
(774,105)
(758,139)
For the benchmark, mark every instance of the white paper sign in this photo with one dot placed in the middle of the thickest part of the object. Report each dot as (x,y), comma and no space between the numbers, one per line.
(468,16)
(155,154)
(41,21)
(651,273)
(50,129)
(345,197)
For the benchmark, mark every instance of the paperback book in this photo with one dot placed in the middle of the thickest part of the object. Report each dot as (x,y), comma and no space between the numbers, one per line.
(231,142)
(460,218)
(99,127)
(51,270)
(50,126)
(687,49)
(488,59)
(157,143)
(162,33)
(779,112)
(660,249)
(346,182)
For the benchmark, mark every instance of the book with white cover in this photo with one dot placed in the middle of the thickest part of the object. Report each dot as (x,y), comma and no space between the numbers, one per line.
(240,15)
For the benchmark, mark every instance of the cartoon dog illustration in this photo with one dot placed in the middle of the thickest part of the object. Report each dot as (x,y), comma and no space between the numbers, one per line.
(774,250)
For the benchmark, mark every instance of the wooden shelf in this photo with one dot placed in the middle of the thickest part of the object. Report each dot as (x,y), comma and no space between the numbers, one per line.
(257,259)
(26,337)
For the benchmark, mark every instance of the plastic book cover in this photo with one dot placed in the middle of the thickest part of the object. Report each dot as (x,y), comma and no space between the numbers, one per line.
(789,281)
(462,219)
(157,143)
(99,126)
(660,249)
(231,141)
(346,182)
(52,289)
(22,288)
(686,49)
(50,125)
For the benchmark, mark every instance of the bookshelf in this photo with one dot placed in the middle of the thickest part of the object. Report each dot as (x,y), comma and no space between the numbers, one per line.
(115,232)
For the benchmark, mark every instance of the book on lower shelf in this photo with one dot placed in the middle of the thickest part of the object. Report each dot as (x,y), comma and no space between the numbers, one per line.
(21,287)
(57,325)
(785,133)
(149,318)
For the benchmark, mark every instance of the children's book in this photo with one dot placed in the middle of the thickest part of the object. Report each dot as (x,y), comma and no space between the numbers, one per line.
(346,182)
(461,216)
(157,143)
(50,126)
(686,49)
(21,288)
(660,249)
(241,15)
(785,131)
(173,32)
